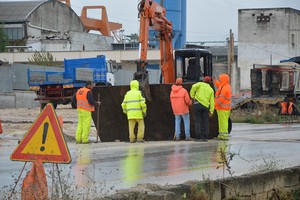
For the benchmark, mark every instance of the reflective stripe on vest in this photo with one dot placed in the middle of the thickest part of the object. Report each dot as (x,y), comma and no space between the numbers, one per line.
(133,101)
(221,100)
(82,101)
(225,103)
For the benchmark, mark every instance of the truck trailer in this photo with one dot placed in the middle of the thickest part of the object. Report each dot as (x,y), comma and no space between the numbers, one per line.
(58,87)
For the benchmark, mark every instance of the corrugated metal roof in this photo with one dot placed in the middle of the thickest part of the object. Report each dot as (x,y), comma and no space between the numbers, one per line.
(16,11)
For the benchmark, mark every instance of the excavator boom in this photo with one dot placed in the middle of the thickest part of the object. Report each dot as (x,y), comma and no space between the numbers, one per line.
(152,15)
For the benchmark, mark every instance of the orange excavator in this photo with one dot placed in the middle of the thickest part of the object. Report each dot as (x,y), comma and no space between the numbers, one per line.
(152,15)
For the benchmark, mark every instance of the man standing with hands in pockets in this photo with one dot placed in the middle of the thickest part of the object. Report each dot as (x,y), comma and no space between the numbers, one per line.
(204,106)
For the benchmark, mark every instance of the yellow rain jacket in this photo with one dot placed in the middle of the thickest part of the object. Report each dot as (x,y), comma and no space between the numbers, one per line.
(204,94)
(134,105)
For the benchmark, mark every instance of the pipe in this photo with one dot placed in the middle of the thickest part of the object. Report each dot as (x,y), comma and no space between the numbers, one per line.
(41,28)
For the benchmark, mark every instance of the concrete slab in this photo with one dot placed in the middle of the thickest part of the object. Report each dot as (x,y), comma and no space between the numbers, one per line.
(25,99)
(7,101)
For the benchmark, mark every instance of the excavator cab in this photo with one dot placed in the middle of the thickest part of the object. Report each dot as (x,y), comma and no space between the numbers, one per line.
(193,64)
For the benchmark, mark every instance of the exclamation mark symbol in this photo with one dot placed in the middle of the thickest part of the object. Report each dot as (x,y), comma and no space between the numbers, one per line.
(45,131)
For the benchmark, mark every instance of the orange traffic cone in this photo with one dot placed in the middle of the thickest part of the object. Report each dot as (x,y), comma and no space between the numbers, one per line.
(1,130)
(35,183)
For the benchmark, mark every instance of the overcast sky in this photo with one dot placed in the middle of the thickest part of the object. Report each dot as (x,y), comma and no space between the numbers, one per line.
(207,20)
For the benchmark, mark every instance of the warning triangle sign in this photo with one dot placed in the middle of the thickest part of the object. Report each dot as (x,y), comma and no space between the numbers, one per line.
(43,141)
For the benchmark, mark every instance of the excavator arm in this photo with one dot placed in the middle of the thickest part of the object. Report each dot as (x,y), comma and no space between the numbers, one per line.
(152,15)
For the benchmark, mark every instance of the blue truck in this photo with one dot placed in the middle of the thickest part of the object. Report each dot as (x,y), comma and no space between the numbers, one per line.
(58,87)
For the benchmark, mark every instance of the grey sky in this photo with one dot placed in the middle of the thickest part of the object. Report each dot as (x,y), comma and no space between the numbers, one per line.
(207,20)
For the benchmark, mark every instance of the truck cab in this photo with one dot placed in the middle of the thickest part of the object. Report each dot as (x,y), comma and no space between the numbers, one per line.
(110,67)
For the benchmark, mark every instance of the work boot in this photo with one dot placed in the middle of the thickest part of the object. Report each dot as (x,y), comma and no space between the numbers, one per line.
(189,139)
(140,141)
(177,139)
(132,141)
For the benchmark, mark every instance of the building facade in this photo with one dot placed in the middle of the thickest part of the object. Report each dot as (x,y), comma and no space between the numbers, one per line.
(47,26)
(266,36)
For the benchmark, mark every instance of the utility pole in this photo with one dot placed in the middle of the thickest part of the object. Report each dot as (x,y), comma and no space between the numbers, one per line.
(231,68)
(230,53)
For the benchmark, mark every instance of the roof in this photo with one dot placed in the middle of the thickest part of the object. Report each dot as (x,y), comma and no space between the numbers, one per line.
(17,11)
(270,9)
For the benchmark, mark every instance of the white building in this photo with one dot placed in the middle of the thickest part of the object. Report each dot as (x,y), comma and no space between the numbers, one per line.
(48,26)
(266,36)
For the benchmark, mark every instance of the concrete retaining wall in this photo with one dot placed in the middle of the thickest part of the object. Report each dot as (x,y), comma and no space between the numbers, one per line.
(269,185)
(19,99)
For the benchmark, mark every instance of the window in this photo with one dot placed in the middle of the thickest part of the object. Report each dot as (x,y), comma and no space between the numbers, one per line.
(14,33)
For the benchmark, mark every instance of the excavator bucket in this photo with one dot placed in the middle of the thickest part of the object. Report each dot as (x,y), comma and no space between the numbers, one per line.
(142,77)
(159,123)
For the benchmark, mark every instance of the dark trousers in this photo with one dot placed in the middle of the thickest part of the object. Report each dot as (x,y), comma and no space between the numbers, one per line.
(201,121)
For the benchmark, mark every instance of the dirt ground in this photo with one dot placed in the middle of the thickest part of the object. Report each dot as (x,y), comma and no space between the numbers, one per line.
(16,122)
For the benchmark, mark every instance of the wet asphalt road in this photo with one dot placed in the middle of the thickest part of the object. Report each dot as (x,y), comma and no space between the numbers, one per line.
(99,169)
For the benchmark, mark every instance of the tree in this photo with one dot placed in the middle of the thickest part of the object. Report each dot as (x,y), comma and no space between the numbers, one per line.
(3,39)
(133,37)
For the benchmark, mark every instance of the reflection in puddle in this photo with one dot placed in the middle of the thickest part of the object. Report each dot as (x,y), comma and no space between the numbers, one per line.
(82,164)
(133,165)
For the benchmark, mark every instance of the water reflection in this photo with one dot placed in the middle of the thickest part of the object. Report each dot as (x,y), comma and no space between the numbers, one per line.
(82,164)
(133,165)
(178,159)
(219,158)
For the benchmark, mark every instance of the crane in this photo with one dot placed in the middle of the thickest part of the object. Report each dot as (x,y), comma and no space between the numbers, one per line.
(102,25)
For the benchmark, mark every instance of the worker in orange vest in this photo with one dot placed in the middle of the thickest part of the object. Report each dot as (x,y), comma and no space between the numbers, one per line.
(85,107)
(222,104)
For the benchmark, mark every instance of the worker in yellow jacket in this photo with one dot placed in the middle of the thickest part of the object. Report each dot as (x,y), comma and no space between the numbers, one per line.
(134,106)
(85,107)
(203,96)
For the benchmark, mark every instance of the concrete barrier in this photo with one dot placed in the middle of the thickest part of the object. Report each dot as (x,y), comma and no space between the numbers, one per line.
(279,184)
(25,99)
(18,99)
(7,101)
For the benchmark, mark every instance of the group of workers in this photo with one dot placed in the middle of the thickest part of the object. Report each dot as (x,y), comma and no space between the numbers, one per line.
(203,99)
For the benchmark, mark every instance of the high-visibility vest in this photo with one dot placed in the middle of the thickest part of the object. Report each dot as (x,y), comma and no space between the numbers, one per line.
(223,98)
(82,101)
(134,104)
(290,109)
(283,105)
